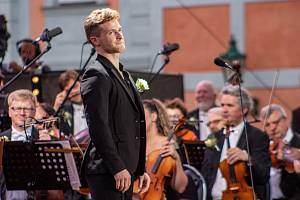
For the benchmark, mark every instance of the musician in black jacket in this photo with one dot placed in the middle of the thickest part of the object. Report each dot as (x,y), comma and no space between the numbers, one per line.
(114,113)
(258,146)
(284,183)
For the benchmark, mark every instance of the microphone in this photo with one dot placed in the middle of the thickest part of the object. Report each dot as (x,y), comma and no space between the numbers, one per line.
(47,35)
(169,48)
(220,62)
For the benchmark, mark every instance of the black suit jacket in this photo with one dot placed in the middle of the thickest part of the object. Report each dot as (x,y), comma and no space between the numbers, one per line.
(67,123)
(194,114)
(290,182)
(259,152)
(116,121)
(296,120)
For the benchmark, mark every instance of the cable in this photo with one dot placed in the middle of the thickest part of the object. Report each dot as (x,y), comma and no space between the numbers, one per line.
(202,24)
(152,67)
(246,136)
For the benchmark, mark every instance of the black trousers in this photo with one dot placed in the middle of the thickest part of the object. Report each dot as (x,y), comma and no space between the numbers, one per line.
(103,187)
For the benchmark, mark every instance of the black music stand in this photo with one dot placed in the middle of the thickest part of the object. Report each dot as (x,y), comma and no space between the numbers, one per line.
(194,153)
(28,166)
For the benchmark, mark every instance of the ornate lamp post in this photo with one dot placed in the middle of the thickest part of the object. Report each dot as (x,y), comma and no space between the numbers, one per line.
(236,59)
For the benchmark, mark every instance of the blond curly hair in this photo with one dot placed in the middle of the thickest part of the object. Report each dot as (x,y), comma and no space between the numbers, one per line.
(97,17)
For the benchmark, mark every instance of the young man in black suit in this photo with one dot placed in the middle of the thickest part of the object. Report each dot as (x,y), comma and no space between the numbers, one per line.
(114,113)
(258,145)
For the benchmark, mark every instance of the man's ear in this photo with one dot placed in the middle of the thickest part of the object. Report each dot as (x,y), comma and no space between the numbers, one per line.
(94,41)
(153,117)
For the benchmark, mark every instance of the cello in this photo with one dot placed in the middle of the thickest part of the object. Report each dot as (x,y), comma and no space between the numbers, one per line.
(237,187)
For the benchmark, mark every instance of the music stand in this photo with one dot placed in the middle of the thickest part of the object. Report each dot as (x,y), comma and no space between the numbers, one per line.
(28,166)
(194,153)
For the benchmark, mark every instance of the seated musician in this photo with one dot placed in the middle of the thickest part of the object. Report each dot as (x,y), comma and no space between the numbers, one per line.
(284,182)
(21,109)
(46,111)
(157,128)
(176,110)
(74,121)
(215,120)
(237,153)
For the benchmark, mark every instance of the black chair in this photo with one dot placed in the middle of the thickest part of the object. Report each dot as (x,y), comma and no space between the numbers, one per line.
(196,188)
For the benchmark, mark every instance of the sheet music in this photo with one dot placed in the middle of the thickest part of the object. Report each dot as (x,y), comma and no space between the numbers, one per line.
(70,162)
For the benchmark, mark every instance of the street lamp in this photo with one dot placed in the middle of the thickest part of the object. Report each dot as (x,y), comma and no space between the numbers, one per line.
(236,59)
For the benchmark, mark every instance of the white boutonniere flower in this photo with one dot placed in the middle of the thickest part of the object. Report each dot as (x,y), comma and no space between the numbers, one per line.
(211,142)
(141,85)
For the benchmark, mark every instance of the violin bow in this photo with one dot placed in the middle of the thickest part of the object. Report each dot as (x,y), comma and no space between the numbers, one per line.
(274,84)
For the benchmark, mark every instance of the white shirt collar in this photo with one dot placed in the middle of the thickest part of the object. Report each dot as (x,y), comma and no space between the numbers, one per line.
(289,136)
(15,133)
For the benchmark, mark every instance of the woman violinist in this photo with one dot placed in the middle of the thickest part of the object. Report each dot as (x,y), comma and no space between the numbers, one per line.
(176,110)
(170,169)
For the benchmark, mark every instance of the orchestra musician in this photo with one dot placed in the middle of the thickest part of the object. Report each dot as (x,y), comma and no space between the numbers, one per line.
(176,110)
(258,145)
(21,109)
(285,183)
(72,111)
(170,170)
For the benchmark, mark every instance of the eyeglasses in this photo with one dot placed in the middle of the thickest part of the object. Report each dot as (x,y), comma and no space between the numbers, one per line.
(19,109)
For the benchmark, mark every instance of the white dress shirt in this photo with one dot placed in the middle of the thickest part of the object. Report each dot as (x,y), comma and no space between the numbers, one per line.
(79,118)
(203,128)
(275,173)
(20,135)
(220,183)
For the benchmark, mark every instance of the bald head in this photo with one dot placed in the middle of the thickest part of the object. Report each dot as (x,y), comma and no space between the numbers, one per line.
(205,95)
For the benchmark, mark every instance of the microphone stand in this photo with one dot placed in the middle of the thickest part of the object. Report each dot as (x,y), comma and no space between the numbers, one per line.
(166,61)
(246,132)
(25,67)
(58,112)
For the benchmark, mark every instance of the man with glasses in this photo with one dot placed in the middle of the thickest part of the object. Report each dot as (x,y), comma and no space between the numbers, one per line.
(284,185)
(215,119)
(21,110)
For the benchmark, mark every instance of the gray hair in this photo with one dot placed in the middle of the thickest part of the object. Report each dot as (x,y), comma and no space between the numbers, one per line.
(217,110)
(269,109)
(233,90)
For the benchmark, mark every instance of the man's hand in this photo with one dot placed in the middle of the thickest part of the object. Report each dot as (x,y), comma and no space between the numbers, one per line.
(123,180)
(297,166)
(168,149)
(236,154)
(144,183)
(59,99)
(43,135)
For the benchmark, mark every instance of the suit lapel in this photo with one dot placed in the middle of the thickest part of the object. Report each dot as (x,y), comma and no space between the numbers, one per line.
(242,141)
(136,92)
(124,87)
(220,142)
(109,66)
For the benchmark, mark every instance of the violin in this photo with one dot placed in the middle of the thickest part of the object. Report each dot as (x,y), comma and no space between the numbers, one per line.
(237,187)
(159,169)
(287,156)
(186,135)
